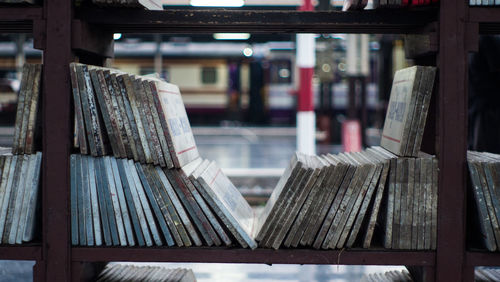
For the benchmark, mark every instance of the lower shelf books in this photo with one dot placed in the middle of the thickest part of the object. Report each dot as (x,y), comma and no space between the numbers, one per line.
(394,275)
(484,274)
(335,201)
(484,169)
(116,202)
(19,197)
(484,2)
(121,272)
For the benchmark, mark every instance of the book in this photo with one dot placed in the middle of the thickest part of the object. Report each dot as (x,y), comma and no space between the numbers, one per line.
(403,120)
(127,272)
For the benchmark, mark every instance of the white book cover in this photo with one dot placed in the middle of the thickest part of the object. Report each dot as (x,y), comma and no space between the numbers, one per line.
(398,111)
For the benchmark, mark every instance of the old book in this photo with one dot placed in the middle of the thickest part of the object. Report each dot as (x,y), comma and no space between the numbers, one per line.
(12,199)
(114,194)
(325,202)
(77,103)
(435,197)
(408,223)
(154,205)
(309,210)
(180,136)
(185,172)
(362,216)
(130,202)
(30,141)
(169,214)
(131,119)
(24,206)
(219,188)
(416,204)
(134,105)
(96,124)
(34,187)
(158,129)
(105,110)
(421,206)
(7,191)
(334,208)
(193,209)
(82,235)
(277,197)
(135,188)
(297,204)
(398,203)
(97,194)
(428,202)
(28,69)
(347,202)
(488,165)
(385,160)
(290,193)
(126,217)
(169,207)
(145,205)
(427,89)
(126,130)
(356,199)
(73,200)
(178,207)
(82,85)
(108,200)
(401,110)
(150,129)
(19,190)
(25,112)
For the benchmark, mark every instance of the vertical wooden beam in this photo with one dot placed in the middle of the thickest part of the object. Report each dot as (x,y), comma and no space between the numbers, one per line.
(56,140)
(452,142)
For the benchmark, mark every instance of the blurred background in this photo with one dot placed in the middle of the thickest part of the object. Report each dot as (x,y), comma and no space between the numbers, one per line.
(244,95)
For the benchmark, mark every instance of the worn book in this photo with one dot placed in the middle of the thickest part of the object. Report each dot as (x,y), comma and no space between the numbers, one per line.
(403,119)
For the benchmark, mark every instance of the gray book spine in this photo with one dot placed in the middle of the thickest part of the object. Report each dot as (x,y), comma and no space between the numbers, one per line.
(129,137)
(26,198)
(27,73)
(110,211)
(81,202)
(94,181)
(33,111)
(20,191)
(12,200)
(80,125)
(108,174)
(7,193)
(86,109)
(74,201)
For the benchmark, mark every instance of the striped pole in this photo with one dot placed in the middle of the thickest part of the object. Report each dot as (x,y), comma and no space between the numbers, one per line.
(306,118)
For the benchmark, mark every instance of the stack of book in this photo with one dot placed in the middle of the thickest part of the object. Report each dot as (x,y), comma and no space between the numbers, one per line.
(411,212)
(325,201)
(165,193)
(119,202)
(483,274)
(484,169)
(394,275)
(20,172)
(121,272)
(146,4)
(27,130)
(484,2)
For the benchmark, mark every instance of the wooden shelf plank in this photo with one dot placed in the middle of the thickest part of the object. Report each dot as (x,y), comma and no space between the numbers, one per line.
(259,21)
(18,19)
(15,252)
(265,256)
(482,258)
(484,14)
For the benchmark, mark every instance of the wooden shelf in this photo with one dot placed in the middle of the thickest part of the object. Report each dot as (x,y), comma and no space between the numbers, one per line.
(19,19)
(482,258)
(487,17)
(259,21)
(21,252)
(265,256)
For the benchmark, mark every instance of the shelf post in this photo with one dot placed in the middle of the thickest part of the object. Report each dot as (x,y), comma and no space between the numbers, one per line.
(452,142)
(56,140)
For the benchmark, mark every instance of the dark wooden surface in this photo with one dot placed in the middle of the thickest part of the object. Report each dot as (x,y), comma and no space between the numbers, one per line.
(451,141)
(259,21)
(56,122)
(267,256)
(18,19)
(482,258)
(24,252)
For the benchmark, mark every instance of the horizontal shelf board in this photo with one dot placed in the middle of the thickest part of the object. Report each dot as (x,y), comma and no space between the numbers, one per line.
(266,256)
(16,252)
(259,21)
(482,258)
(18,19)
(484,14)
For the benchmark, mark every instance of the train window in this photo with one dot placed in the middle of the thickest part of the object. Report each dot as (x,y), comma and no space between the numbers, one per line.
(208,75)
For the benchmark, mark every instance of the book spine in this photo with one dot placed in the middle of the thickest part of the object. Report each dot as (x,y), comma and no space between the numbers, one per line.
(95,182)
(80,126)
(26,198)
(29,230)
(20,192)
(95,123)
(108,175)
(33,112)
(27,70)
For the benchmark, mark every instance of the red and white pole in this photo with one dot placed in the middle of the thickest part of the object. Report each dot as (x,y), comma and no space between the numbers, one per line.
(306,60)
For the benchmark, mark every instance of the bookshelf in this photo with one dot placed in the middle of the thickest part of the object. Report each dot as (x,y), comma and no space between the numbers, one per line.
(58,29)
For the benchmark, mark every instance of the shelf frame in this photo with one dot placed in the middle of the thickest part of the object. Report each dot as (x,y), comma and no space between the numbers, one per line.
(265,256)
(21,252)
(19,19)
(259,21)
